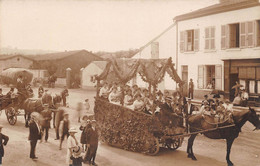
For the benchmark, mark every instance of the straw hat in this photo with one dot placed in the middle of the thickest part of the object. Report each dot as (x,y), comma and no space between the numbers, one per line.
(169,98)
(73,130)
(77,151)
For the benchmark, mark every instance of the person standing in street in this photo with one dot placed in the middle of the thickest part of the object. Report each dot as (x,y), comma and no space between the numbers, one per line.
(72,143)
(191,88)
(3,142)
(34,133)
(46,123)
(65,124)
(64,94)
(92,142)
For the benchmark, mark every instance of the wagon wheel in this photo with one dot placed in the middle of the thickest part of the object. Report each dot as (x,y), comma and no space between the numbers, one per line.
(154,147)
(11,115)
(173,144)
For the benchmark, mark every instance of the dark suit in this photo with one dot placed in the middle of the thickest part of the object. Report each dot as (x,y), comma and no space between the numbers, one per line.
(2,143)
(191,89)
(188,112)
(92,140)
(64,94)
(166,113)
(34,136)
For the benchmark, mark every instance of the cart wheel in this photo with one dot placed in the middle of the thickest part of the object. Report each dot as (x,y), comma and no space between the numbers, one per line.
(173,144)
(11,115)
(154,147)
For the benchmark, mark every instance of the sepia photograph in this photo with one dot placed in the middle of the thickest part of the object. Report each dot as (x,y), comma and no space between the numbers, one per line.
(129,82)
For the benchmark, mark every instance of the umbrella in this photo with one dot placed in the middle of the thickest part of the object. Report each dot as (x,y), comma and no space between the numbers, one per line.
(217,92)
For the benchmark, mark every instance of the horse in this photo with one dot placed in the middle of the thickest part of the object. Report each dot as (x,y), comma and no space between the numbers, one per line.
(36,105)
(204,122)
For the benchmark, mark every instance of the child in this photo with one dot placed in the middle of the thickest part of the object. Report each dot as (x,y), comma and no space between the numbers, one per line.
(71,144)
(64,128)
(76,156)
(2,143)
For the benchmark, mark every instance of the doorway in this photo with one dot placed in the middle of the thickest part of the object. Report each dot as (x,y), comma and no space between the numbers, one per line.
(184,71)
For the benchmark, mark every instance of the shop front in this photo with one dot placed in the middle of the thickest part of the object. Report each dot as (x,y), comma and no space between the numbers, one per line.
(247,73)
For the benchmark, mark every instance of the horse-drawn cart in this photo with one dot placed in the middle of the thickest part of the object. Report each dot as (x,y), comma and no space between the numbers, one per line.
(133,130)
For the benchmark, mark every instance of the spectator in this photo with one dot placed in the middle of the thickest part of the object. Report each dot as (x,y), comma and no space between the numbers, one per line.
(64,94)
(191,88)
(76,156)
(10,94)
(34,133)
(205,100)
(244,98)
(104,91)
(46,122)
(128,99)
(71,144)
(83,127)
(138,103)
(3,142)
(237,100)
(92,142)
(113,96)
(160,99)
(65,124)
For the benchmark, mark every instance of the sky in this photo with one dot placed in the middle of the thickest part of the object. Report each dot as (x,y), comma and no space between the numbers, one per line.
(94,25)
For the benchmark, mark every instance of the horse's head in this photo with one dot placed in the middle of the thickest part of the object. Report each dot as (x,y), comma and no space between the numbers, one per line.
(254,119)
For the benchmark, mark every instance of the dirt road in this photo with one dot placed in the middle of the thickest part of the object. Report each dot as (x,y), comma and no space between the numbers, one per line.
(245,150)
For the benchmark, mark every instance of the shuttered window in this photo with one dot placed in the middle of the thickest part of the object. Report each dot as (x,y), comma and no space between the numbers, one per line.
(250,34)
(210,38)
(247,34)
(189,40)
(257,32)
(243,34)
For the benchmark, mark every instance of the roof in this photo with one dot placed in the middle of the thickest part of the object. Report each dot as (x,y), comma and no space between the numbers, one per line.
(56,56)
(224,6)
(4,57)
(100,64)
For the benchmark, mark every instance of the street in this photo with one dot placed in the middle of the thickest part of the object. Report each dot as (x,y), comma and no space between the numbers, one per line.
(245,150)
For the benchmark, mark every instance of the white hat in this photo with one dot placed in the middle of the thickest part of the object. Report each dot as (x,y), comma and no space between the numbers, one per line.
(73,130)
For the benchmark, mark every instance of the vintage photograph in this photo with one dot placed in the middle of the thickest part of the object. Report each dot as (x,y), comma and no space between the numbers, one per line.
(129,82)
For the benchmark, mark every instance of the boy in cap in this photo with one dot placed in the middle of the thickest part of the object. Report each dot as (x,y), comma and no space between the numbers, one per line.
(3,142)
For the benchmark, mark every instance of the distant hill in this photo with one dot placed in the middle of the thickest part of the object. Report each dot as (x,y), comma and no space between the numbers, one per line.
(118,54)
(13,51)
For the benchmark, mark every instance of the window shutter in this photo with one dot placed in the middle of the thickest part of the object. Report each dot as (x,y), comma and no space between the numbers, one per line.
(227,30)
(196,39)
(242,34)
(200,76)
(185,40)
(212,33)
(223,37)
(250,34)
(207,40)
(182,41)
(218,77)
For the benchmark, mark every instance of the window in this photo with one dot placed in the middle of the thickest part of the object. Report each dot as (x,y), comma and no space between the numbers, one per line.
(210,38)
(209,76)
(189,40)
(234,35)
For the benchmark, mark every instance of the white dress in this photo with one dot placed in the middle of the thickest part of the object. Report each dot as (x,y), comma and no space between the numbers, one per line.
(71,143)
(113,98)
(138,105)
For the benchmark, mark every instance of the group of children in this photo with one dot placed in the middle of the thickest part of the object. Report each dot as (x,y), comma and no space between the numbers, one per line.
(134,97)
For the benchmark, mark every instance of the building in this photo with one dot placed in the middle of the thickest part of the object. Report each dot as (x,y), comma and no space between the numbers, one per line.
(89,72)
(15,61)
(215,46)
(219,45)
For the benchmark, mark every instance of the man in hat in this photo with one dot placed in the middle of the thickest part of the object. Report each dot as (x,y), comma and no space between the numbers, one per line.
(188,108)
(3,142)
(206,99)
(244,98)
(40,91)
(64,94)
(166,110)
(92,142)
(34,133)
(191,89)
